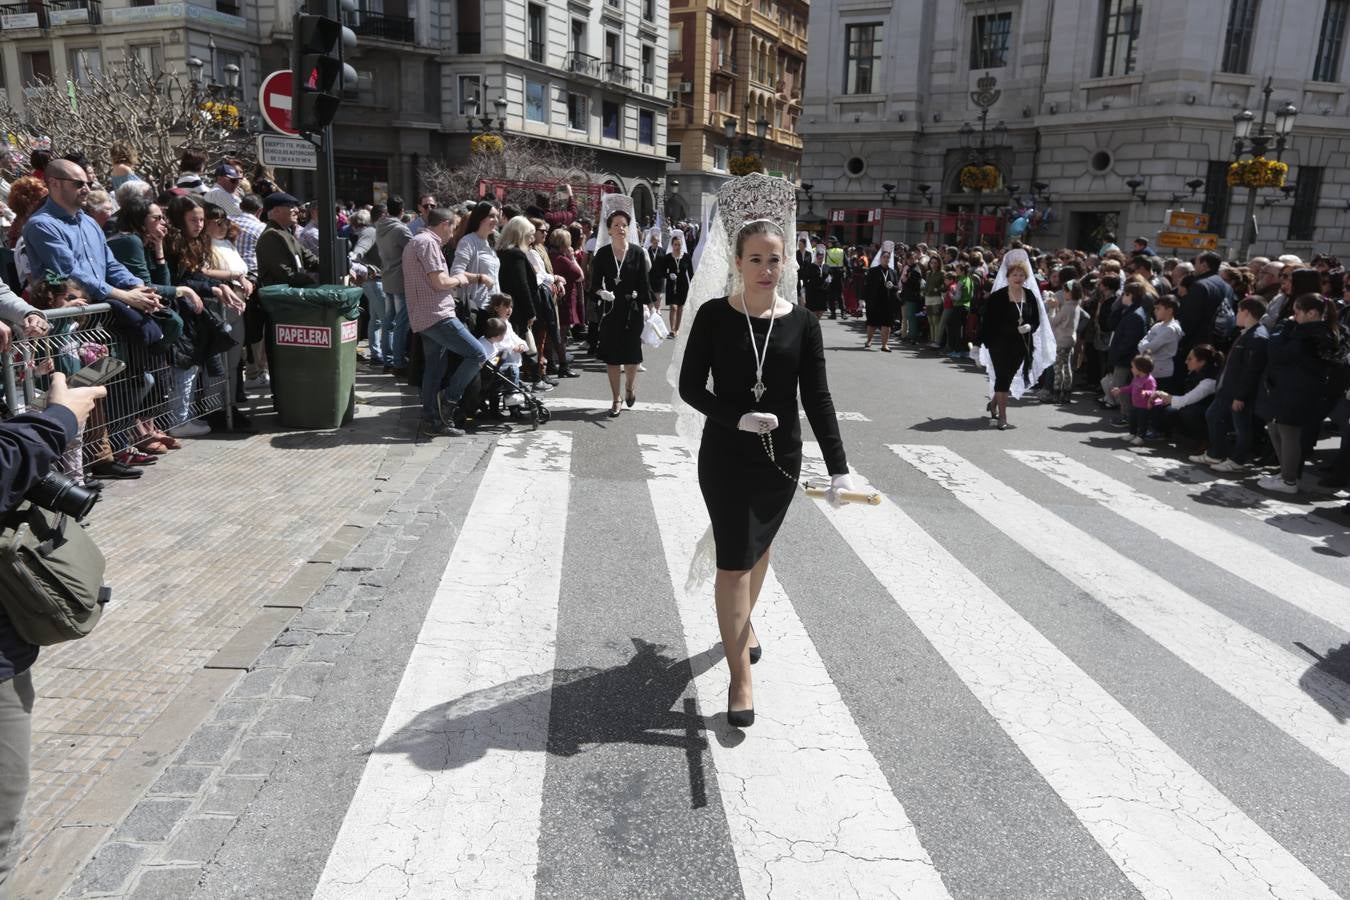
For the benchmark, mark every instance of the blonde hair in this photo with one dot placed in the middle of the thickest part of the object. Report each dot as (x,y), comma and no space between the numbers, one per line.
(1019,264)
(517,233)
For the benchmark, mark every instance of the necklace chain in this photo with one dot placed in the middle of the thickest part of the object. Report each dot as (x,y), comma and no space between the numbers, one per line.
(760,357)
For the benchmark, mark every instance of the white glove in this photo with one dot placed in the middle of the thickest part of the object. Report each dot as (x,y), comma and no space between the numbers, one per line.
(607,296)
(838,485)
(1024,329)
(758,423)
(673,276)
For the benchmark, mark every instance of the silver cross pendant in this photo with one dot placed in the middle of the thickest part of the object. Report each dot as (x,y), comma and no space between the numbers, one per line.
(758,390)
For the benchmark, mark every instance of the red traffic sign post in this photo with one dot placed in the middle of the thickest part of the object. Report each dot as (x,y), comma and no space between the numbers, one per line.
(275,101)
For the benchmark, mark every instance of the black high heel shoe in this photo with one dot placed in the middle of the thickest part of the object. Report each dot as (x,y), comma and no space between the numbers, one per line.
(741,718)
(756,651)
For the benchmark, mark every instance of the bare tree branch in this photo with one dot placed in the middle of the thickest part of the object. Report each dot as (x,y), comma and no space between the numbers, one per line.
(521,159)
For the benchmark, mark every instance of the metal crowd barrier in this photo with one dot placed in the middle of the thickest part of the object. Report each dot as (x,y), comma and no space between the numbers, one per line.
(149,393)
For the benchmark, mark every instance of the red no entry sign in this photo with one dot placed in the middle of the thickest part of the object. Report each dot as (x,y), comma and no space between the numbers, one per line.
(274,99)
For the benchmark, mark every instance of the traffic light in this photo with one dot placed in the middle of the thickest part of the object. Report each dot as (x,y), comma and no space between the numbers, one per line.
(317,70)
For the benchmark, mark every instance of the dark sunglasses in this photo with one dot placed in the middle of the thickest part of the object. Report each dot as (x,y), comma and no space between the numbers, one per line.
(77,181)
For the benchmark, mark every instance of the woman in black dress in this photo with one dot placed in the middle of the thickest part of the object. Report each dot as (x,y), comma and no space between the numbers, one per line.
(1011,318)
(656,266)
(812,277)
(759,349)
(677,270)
(621,284)
(879,295)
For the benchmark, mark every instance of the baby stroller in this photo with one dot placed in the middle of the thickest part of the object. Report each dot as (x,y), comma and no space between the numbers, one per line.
(497,391)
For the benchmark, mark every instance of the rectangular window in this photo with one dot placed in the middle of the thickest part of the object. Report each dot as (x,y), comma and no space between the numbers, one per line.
(470,95)
(1331,42)
(1119,36)
(576,112)
(535,25)
(86,64)
(1218,195)
(646,127)
(150,58)
(612,54)
(578,36)
(649,10)
(536,101)
(862,53)
(229,58)
(1237,46)
(35,68)
(676,41)
(989,41)
(720,159)
(609,120)
(673,151)
(1307,194)
(648,63)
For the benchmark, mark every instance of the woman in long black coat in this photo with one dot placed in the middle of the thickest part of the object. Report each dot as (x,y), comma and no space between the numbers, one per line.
(1294,393)
(879,295)
(812,277)
(1011,317)
(621,284)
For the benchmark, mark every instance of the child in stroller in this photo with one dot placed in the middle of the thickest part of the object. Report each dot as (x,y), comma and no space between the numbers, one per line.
(500,376)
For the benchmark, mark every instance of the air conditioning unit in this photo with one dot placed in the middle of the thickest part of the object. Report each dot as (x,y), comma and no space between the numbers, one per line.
(648,87)
(686,87)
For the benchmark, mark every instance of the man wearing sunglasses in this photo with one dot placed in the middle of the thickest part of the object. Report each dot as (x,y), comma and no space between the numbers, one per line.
(424,206)
(62,238)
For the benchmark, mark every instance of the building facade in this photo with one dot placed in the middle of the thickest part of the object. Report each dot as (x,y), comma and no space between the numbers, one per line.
(1105,113)
(587,72)
(736,67)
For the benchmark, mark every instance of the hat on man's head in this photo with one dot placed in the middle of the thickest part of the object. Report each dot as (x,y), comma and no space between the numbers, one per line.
(191,182)
(280,198)
(225,170)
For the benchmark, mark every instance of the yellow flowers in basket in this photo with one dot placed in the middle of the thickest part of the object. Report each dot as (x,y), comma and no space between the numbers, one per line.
(979,178)
(1257,173)
(487,143)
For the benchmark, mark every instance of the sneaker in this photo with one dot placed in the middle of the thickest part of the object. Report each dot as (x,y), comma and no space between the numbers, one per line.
(1152,436)
(263,380)
(541,387)
(1121,422)
(1135,441)
(1203,459)
(445,408)
(1276,484)
(190,429)
(641,367)
(434,428)
(1227,466)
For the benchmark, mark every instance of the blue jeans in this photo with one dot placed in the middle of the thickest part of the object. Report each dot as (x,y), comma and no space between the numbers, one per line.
(1217,417)
(380,331)
(396,342)
(445,337)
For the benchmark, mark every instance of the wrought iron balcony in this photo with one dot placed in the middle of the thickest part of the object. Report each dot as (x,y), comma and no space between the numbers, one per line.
(584,64)
(67,12)
(617,74)
(386,26)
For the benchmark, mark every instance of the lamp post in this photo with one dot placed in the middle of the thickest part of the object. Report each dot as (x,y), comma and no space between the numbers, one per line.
(485,124)
(984,96)
(1256,143)
(729,127)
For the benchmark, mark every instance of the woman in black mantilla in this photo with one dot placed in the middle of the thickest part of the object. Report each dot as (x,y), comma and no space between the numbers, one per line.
(620,280)
(1013,334)
(759,349)
(879,295)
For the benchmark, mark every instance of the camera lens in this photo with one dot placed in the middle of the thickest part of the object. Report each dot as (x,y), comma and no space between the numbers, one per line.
(61,494)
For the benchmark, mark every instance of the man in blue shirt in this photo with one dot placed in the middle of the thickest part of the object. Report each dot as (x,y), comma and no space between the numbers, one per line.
(61,238)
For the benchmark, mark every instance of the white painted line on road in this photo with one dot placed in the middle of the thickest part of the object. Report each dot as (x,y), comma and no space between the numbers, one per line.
(1297,586)
(1303,702)
(809,809)
(450,799)
(1171,832)
(585,404)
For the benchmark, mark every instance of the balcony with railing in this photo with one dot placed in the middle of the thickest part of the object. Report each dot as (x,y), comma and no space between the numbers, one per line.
(620,75)
(74,12)
(469,41)
(14,16)
(385,26)
(584,64)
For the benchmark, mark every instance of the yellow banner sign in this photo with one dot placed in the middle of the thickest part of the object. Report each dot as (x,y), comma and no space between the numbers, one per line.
(1176,240)
(1180,219)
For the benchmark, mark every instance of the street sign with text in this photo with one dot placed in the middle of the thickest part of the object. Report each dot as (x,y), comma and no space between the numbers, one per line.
(1177,218)
(1176,240)
(274,99)
(287,152)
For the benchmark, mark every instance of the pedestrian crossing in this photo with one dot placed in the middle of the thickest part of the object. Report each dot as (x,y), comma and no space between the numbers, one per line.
(450,800)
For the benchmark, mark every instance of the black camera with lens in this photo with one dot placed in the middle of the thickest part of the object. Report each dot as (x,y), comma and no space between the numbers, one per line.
(60,493)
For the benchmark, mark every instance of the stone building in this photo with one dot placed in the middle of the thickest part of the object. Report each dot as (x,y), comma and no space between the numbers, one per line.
(589,72)
(736,67)
(1105,112)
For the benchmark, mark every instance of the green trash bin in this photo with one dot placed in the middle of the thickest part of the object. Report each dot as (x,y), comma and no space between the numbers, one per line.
(311,353)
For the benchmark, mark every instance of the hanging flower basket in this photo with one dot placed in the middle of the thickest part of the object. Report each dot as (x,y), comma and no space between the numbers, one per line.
(745,165)
(979,178)
(1257,173)
(226,115)
(487,143)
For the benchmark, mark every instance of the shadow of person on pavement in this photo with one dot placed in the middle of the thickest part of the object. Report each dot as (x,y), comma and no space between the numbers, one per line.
(633,703)
(951,423)
(1331,693)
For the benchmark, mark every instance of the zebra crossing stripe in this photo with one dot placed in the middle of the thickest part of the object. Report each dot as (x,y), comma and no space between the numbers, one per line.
(586,404)
(1257,672)
(1171,832)
(450,799)
(808,807)
(1251,562)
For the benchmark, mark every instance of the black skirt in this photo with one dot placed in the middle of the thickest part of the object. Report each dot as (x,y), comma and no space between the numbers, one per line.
(746,494)
(1008,356)
(621,336)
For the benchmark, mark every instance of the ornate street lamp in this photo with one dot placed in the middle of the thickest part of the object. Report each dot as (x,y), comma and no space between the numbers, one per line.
(1251,136)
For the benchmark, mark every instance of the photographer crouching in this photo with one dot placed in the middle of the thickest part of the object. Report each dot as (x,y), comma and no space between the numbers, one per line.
(29,445)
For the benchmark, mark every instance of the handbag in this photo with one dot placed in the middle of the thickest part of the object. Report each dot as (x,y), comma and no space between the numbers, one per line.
(654,331)
(51,576)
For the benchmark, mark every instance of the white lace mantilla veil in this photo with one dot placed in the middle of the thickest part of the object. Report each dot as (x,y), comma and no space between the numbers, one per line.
(610,203)
(684,242)
(1043,341)
(742,200)
(886,247)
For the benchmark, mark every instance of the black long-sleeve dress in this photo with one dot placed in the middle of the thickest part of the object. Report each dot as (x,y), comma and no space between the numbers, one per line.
(879,295)
(676,273)
(1009,349)
(812,277)
(746,493)
(622,320)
